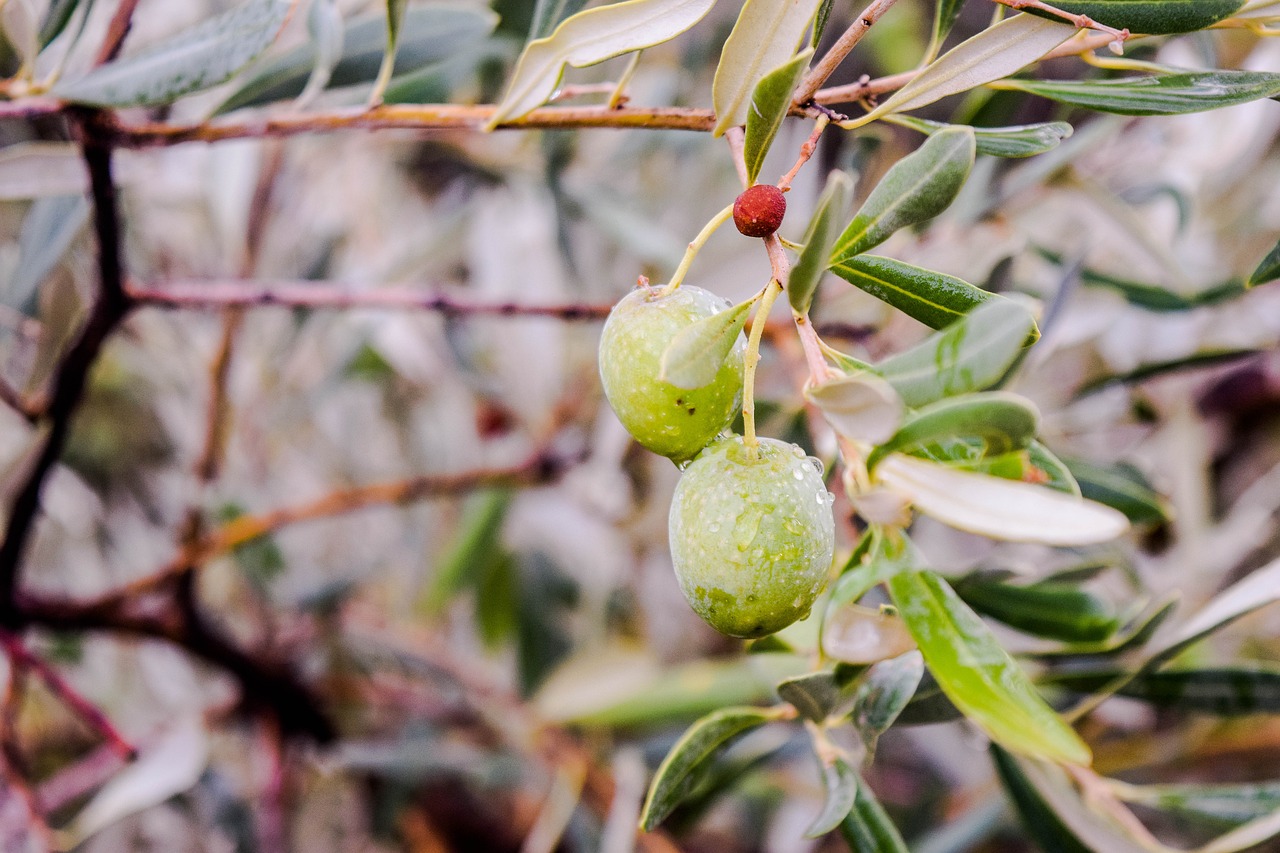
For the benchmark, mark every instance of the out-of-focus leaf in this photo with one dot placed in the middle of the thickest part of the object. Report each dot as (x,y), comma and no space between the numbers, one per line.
(817,695)
(995,52)
(970,355)
(1055,610)
(861,406)
(917,188)
(928,706)
(57,17)
(1042,821)
(933,298)
(770,103)
(261,559)
(395,17)
(1124,488)
(1231,805)
(324,26)
(429,34)
(977,675)
(1268,268)
(867,827)
(696,354)
(1210,358)
(765,36)
(945,13)
(698,745)
(1054,473)
(862,635)
(1004,422)
(1224,691)
(1025,140)
(475,546)
(40,170)
(1245,837)
(1137,633)
(547,15)
(883,692)
(47,232)
(588,38)
(998,508)
(818,238)
(202,56)
(841,782)
(22,29)
(1164,94)
(1152,17)
(166,768)
(1260,588)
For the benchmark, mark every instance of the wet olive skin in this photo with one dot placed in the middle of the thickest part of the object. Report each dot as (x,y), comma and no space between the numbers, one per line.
(751,538)
(670,421)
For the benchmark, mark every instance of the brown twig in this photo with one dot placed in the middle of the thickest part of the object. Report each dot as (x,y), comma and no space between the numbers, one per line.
(327,295)
(833,57)
(13,398)
(117,30)
(806,151)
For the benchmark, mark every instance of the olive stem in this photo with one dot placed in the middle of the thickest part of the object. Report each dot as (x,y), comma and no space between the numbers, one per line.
(806,151)
(767,298)
(814,356)
(692,252)
(619,95)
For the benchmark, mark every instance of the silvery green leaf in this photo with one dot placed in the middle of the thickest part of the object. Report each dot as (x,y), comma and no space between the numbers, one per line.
(883,692)
(936,299)
(867,827)
(202,56)
(395,17)
(1004,422)
(1268,268)
(770,103)
(859,406)
(765,36)
(1161,94)
(818,238)
(1152,17)
(841,782)
(1025,140)
(694,356)
(591,37)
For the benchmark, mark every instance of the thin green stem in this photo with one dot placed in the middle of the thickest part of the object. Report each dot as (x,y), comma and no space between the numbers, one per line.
(619,95)
(692,252)
(767,298)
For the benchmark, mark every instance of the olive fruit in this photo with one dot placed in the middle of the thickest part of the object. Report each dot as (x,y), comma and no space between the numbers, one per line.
(752,535)
(674,422)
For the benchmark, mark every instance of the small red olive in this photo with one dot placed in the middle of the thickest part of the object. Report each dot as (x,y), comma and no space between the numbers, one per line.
(759,210)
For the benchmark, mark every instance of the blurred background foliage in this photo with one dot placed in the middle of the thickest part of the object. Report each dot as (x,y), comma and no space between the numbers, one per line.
(506,667)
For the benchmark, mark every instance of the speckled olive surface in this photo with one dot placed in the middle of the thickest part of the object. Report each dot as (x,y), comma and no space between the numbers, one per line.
(671,421)
(752,538)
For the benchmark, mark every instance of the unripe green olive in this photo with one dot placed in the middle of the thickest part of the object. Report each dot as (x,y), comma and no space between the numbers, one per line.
(671,421)
(752,535)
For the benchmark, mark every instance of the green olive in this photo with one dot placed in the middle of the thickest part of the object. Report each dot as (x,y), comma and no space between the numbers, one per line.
(674,422)
(752,535)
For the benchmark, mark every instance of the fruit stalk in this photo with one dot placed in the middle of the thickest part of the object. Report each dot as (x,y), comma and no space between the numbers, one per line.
(767,298)
(694,247)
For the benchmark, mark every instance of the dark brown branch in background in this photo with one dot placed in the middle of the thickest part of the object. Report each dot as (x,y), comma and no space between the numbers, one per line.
(109,309)
(304,294)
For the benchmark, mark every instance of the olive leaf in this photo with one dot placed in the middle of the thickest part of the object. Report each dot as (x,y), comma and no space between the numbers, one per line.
(977,674)
(695,354)
(861,406)
(1024,140)
(770,103)
(1123,487)
(1054,610)
(841,782)
(588,38)
(395,18)
(867,827)
(917,188)
(1004,422)
(1164,94)
(994,53)
(1268,268)
(818,238)
(696,747)
(1151,17)
(817,695)
(883,692)
(935,299)
(202,56)
(997,508)
(764,37)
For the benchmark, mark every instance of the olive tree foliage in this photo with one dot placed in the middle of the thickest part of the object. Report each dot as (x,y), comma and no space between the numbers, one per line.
(319,527)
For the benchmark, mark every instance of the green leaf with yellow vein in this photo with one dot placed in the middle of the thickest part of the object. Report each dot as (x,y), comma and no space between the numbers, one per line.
(770,103)
(765,36)
(935,299)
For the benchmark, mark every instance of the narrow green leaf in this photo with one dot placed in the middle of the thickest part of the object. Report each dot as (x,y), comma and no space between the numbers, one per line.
(57,17)
(588,38)
(395,17)
(818,238)
(50,226)
(1053,472)
(429,34)
(764,37)
(820,21)
(1004,422)
(1123,487)
(695,355)
(698,745)
(1165,94)
(998,508)
(994,53)
(1134,635)
(195,59)
(817,695)
(970,355)
(860,406)
(1024,140)
(1225,691)
(935,299)
(547,15)
(1268,268)
(1056,610)
(1153,297)
(883,692)
(1257,590)
(977,675)
(770,103)
(945,13)
(1231,805)
(868,828)
(917,188)
(1152,17)
(477,544)
(1041,820)
(841,782)
(1246,836)
(1210,358)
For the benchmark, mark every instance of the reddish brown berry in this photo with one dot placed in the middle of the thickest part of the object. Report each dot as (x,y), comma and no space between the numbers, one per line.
(759,210)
